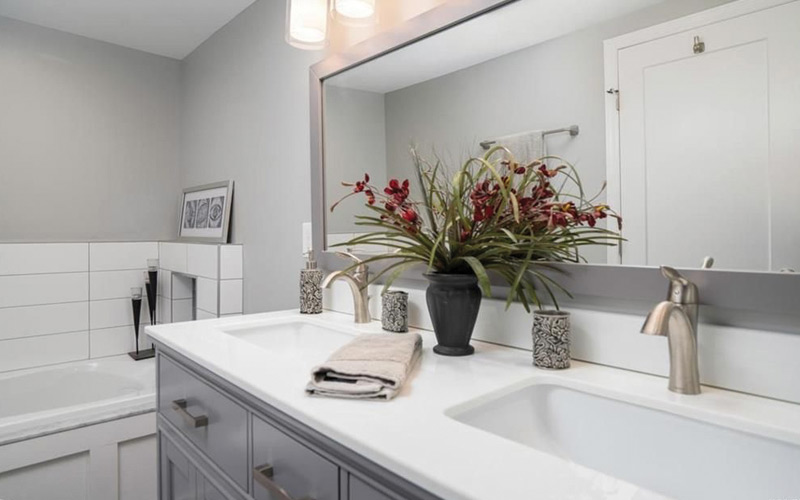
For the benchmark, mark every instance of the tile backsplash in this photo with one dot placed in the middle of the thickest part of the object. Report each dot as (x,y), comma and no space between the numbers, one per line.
(63,302)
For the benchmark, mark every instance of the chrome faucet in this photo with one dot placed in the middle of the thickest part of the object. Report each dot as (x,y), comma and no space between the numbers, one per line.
(359,284)
(676,318)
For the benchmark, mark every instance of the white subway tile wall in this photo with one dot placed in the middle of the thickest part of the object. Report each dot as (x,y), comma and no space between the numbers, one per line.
(182,310)
(116,340)
(37,289)
(172,256)
(33,258)
(164,283)
(202,260)
(115,284)
(28,352)
(230,262)
(114,312)
(230,296)
(120,256)
(32,321)
(201,314)
(64,302)
(207,290)
(182,286)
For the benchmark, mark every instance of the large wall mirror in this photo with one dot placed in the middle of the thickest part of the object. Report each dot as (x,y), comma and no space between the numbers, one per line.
(690,117)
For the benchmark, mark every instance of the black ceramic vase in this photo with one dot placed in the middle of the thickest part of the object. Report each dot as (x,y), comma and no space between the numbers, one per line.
(453,303)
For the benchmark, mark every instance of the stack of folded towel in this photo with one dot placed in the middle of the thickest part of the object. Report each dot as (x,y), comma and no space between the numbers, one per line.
(372,366)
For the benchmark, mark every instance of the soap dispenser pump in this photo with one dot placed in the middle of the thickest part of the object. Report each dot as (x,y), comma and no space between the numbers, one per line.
(310,287)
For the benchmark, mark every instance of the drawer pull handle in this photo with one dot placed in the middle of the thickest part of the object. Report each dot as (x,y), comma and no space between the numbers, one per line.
(263,476)
(179,405)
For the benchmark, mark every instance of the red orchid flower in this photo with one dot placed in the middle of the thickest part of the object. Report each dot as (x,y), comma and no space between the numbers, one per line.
(361,185)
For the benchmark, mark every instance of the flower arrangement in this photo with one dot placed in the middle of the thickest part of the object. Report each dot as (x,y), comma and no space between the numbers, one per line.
(494,215)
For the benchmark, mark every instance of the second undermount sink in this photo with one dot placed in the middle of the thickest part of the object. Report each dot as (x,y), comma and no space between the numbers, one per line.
(293,337)
(661,451)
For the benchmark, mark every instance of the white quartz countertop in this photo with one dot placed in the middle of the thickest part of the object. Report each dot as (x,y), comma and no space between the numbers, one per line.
(413,435)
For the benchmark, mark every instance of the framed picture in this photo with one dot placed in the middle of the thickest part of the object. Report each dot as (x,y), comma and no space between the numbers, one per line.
(206,212)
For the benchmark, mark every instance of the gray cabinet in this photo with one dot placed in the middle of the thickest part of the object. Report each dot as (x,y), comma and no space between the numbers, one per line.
(217,442)
(359,490)
(208,491)
(182,478)
(281,463)
(178,475)
(210,420)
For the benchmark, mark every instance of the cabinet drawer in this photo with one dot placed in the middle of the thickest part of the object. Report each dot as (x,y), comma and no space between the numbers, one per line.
(280,462)
(213,422)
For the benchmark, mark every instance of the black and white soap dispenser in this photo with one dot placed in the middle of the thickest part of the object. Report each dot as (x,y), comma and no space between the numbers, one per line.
(310,287)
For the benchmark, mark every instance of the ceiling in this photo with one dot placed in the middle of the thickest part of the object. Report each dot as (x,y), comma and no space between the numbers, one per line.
(171,28)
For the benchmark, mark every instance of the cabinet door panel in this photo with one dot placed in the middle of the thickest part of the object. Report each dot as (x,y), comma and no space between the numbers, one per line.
(178,475)
(208,491)
(359,490)
(296,469)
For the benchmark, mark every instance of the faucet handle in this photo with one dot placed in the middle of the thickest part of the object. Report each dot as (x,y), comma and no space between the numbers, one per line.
(348,255)
(357,260)
(673,275)
(681,290)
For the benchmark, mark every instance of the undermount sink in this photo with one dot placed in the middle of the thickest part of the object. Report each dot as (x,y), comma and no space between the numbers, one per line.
(664,452)
(294,338)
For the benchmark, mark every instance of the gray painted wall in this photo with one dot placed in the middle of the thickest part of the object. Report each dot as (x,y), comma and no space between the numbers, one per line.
(551,85)
(355,144)
(88,139)
(245,117)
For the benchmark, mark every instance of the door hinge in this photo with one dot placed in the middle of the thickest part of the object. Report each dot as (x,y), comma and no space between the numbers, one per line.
(615,93)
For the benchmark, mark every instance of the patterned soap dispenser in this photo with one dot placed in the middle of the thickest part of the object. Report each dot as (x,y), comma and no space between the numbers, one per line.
(310,287)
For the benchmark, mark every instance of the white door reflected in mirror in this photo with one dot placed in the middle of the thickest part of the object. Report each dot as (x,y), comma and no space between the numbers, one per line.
(706,165)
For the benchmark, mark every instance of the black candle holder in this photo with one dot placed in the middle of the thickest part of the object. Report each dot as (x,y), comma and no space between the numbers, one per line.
(151,281)
(136,304)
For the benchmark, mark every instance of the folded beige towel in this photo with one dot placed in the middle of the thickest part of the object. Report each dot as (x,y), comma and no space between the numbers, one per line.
(372,366)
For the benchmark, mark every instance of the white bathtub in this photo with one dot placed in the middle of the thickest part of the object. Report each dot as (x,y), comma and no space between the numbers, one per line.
(79,422)
(43,400)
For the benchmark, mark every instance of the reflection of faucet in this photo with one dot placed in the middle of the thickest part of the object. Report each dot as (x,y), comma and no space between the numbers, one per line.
(358,281)
(676,318)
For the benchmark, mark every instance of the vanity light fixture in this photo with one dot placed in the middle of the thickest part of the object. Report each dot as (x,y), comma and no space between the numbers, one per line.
(355,9)
(307,23)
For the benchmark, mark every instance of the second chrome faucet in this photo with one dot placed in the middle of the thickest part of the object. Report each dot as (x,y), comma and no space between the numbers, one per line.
(676,319)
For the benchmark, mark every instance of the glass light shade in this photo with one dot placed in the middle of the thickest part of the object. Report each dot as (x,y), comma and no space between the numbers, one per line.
(136,293)
(152,264)
(355,9)
(307,23)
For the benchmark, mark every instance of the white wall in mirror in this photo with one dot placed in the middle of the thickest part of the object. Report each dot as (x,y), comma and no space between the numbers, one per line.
(446,105)
(355,125)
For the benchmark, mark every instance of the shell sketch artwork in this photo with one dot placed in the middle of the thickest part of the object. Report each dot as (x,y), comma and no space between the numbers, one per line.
(201,221)
(189,214)
(215,212)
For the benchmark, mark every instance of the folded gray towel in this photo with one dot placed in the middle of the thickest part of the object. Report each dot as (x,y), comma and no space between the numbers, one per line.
(372,366)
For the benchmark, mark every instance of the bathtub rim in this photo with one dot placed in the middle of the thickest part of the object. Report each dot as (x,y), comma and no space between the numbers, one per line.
(37,424)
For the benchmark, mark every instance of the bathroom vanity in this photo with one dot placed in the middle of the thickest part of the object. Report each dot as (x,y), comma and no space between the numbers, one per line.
(235,422)
(217,442)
